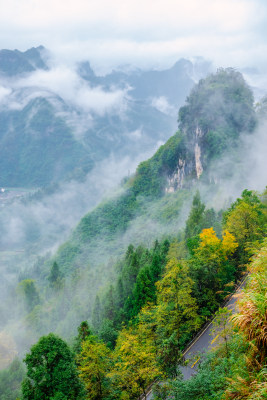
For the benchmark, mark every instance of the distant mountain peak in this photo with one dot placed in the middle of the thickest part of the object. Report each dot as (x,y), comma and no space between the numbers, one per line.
(15,62)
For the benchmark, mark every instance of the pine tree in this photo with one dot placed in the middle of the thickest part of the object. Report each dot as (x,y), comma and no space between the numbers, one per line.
(83,333)
(144,291)
(194,222)
(109,310)
(96,317)
(55,277)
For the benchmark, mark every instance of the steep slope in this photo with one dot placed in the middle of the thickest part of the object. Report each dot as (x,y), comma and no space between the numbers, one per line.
(152,204)
(38,147)
(218,110)
(59,292)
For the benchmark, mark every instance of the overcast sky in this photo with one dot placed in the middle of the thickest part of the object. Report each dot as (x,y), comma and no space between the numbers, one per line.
(141,32)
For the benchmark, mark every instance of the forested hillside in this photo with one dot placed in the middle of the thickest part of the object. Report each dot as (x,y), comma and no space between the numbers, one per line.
(161,297)
(187,159)
(143,271)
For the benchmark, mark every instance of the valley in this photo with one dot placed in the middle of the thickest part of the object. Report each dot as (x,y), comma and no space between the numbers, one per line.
(132,236)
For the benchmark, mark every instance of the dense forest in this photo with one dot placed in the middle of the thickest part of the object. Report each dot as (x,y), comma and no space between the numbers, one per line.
(122,322)
(160,299)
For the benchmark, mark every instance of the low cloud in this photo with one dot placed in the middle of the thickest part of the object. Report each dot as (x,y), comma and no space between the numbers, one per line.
(162,104)
(55,215)
(4,93)
(144,33)
(66,84)
(136,135)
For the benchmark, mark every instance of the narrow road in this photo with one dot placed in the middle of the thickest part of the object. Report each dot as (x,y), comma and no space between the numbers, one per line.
(203,342)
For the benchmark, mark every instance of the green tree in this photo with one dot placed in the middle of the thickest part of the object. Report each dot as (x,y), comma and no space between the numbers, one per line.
(97,311)
(246,220)
(156,267)
(10,380)
(51,372)
(143,292)
(108,333)
(194,222)
(131,268)
(31,296)
(83,333)
(109,306)
(55,277)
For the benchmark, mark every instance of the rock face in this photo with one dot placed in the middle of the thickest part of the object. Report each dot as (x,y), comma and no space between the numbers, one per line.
(176,180)
(199,168)
(189,165)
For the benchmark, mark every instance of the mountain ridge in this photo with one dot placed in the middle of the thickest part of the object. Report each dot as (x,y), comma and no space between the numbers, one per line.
(103,115)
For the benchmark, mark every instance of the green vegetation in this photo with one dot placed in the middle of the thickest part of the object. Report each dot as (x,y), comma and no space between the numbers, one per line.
(51,372)
(30,294)
(160,299)
(150,177)
(221,106)
(44,151)
(10,381)
(142,305)
(55,278)
(238,370)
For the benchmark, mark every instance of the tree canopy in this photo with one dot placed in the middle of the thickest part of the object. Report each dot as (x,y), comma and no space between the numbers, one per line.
(51,372)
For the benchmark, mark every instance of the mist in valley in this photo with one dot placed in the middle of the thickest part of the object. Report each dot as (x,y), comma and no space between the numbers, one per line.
(35,225)
(35,221)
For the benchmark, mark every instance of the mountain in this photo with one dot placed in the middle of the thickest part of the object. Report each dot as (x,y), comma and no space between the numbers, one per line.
(154,202)
(38,147)
(15,62)
(217,113)
(58,123)
(170,83)
(133,249)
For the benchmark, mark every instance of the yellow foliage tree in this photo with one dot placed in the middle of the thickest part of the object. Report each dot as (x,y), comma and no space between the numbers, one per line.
(176,314)
(211,268)
(229,243)
(212,248)
(175,303)
(135,365)
(147,324)
(94,362)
